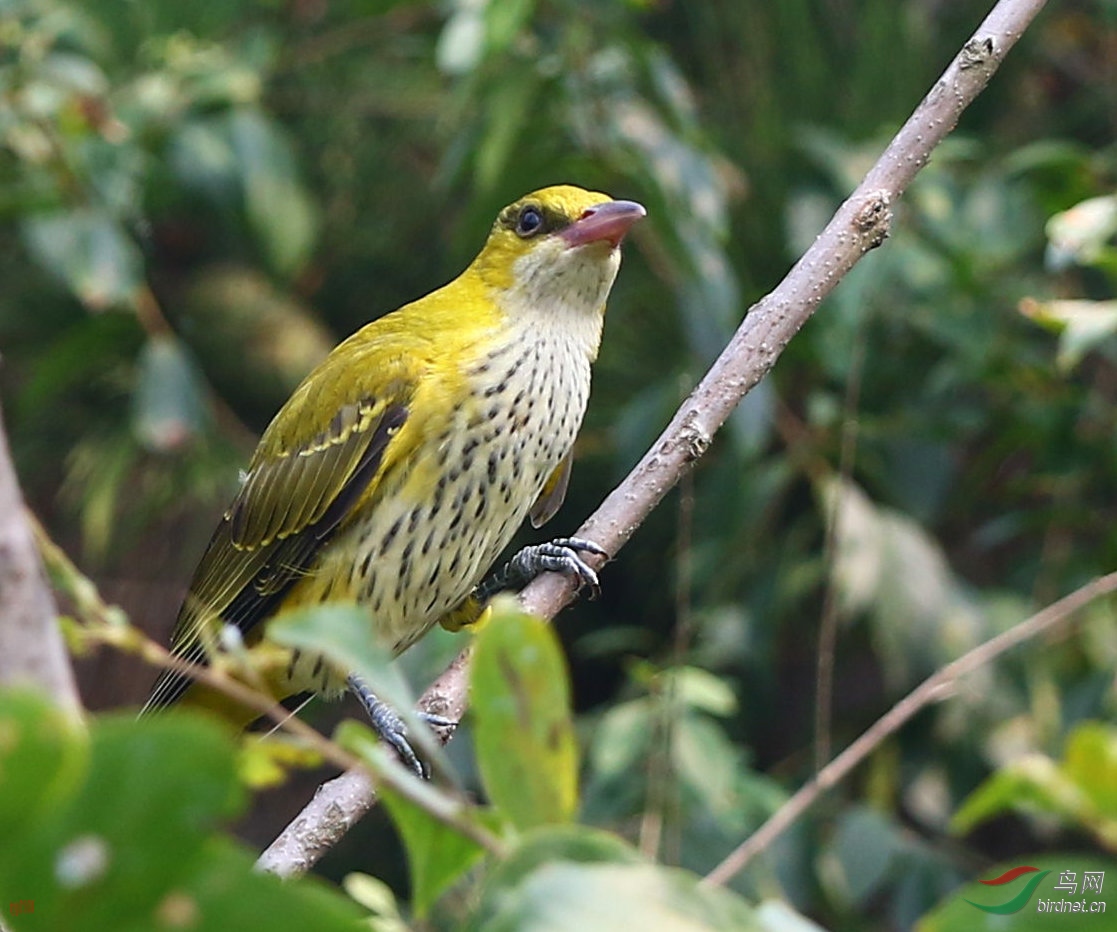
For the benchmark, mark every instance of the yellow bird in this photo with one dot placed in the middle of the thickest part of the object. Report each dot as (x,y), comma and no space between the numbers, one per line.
(402,466)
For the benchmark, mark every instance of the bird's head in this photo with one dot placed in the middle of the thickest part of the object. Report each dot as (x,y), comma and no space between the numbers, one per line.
(556,252)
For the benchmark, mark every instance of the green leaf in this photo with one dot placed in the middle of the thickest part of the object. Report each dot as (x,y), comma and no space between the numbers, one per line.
(861,855)
(1079,790)
(438,855)
(377,897)
(1083,325)
(703,690)
(90,252)
(504,20)
(115,831)
(1030,783)
(886,564)
(1080,234)
(577,878)
(525,744)
(344,635)
(707,762)
(168,410)
(276,203)
(1091,762)
(44,757)
(967,909)
(509,113)
(623,737)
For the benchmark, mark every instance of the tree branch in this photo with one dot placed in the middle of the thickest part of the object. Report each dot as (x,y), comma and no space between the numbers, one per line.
(936,687)
(860,224)
(32,651)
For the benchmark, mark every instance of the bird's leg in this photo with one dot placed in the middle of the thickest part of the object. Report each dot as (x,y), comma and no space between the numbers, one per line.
(558,556)
(391,729)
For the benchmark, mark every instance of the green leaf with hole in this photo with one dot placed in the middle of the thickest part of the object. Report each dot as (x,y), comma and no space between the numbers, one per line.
(525,743)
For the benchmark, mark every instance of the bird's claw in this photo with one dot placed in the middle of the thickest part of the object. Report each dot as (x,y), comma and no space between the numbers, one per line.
(561,556)
(392,730)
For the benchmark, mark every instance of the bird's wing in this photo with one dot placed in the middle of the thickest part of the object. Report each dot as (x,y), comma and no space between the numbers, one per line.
(307,474)
(550,499)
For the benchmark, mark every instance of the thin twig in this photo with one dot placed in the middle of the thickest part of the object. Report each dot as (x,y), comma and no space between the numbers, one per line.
(939,685)
(859,225)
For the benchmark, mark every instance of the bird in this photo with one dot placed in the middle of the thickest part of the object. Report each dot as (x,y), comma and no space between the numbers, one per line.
(402,466)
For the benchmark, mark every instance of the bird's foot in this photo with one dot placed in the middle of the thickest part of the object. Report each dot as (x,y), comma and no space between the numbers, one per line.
(562,555)
(390,727)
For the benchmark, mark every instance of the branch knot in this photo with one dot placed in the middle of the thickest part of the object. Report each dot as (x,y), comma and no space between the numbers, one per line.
(874,219)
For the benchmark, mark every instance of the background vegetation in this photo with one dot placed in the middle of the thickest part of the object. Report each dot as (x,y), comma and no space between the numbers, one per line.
(203,197)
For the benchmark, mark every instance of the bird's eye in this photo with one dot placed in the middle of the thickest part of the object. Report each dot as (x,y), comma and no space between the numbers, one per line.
(529,222)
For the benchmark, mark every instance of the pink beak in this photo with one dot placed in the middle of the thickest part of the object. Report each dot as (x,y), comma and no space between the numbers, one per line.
(607,222)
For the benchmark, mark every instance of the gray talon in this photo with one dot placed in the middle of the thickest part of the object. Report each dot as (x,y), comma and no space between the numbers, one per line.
(390,728)
(557,556)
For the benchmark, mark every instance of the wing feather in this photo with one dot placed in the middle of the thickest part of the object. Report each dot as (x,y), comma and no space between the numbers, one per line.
(297,492)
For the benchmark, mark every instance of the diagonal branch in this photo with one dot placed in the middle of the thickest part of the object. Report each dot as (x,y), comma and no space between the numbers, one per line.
(860,224)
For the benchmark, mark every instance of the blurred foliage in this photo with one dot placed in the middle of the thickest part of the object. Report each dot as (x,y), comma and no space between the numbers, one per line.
(202,197)
(1080,790)
(87,818)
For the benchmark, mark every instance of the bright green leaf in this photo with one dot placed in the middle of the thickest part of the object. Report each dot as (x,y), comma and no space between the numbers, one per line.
(504,20)
(1029,783)
(1079,790)
(524,734)
(265,760)
(438,855)
(43,756)
(1091,762)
